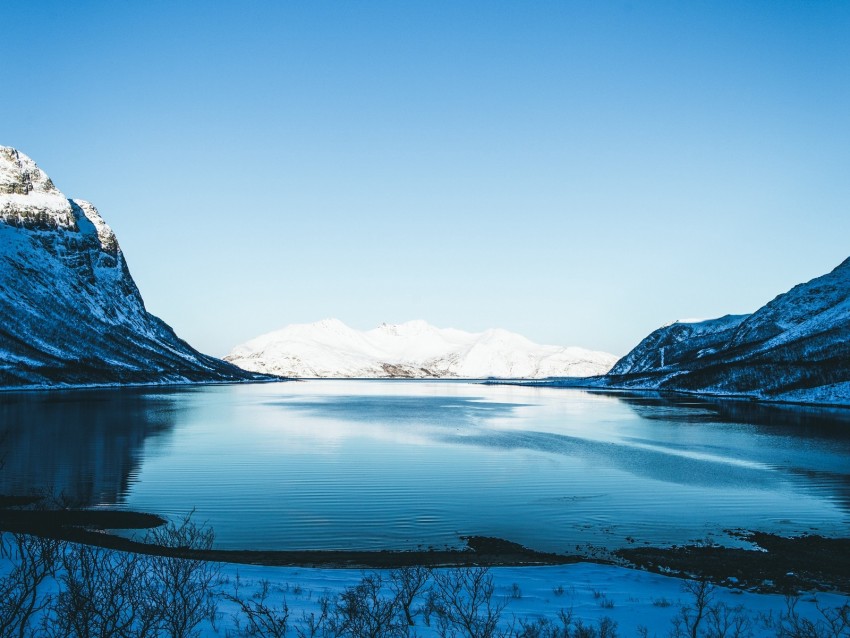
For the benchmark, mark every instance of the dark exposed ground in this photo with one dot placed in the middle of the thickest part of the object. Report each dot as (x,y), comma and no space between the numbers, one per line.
(786,565)
(90,526)
(776,564)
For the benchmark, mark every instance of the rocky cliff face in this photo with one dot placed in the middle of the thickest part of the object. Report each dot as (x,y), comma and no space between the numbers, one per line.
(70,312)
(795,348)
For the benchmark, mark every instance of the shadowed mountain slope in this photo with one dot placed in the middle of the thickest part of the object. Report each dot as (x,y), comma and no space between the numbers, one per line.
(795,348)
(70,313)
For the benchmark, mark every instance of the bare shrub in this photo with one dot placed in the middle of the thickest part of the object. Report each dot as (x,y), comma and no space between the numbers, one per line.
(705,618)
(102,594)
(546,628)
(262,618)
(723,621)
(464,603)
(606,603)
(607,628)
(833,622)
(182,588)
(21,596)
(105,593)
(363,612)
(687,623)
(408,583)
(315,626)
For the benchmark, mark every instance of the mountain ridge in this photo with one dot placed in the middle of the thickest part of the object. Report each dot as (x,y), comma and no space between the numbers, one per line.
(70,312)
(414,349)
(794,348)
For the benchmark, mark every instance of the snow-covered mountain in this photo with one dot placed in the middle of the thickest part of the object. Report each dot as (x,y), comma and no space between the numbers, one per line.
(795,348)
(70,312)
(414,349)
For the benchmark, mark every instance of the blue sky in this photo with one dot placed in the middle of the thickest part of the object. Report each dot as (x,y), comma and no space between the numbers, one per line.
(579,172)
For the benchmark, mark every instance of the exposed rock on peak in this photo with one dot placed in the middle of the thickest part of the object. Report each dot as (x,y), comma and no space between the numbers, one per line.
(19,175)
(90,217)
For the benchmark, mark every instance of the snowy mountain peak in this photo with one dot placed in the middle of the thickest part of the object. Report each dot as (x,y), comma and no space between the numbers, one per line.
(28,198)
(414,327)
(329,348)
(19,175)
(70,313)
(327,325)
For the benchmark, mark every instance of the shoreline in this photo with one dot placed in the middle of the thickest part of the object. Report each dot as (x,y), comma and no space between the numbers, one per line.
(134,386)
(579,383)
(776,564)
(614,390)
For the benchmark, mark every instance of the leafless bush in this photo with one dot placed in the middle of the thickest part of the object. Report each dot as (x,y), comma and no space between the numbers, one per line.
(705,618)
(723,621)
(363,611)
(546,628)
(566,627)
(607,628)
(112,594)
(314,625)
(21,595)
(687,623)
(182,588)
(464,603)
(102,594)
(833,622)
(261,617)
(408,584)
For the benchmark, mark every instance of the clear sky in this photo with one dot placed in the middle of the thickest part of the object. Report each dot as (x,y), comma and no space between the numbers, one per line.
(580,172)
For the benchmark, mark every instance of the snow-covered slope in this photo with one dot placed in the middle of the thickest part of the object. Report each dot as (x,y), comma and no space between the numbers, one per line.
(70,312)
(795,348)
(677,343)
(329,348)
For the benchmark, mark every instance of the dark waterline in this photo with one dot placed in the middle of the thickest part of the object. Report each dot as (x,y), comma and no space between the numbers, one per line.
(400,465)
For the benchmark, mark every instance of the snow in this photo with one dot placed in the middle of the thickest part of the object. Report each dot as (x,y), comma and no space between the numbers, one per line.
(831,394)
(67,297)
(808,308)
(105,236)
(329,348)
(631,598)
(591,591)
(793,349)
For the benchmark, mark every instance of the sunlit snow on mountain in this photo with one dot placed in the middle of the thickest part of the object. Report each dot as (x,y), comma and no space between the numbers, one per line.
(414,349)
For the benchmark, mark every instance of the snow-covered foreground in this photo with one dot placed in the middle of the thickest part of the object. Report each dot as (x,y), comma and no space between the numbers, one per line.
(414,349)
(50,589)
(631,598)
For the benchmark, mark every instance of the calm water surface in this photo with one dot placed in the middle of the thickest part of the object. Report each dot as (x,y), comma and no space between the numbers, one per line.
(389,464)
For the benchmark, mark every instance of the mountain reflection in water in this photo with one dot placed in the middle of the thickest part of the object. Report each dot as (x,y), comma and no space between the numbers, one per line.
(371,465)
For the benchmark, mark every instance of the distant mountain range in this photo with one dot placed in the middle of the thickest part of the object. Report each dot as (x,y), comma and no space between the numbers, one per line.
(414,349)
(70,313)
(795,348)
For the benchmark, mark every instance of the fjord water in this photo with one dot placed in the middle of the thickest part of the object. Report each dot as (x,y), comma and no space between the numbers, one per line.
(407,464)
